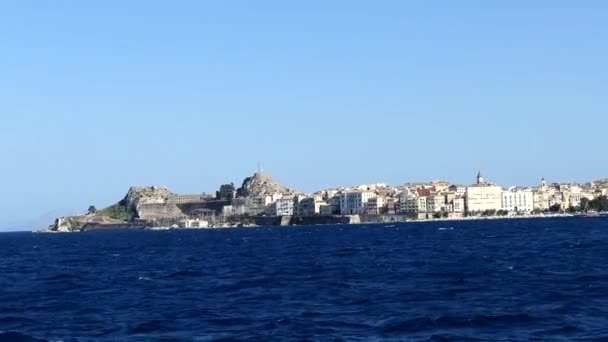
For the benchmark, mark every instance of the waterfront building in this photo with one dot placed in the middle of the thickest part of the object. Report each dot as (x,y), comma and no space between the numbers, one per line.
(284,207)
(483,196)
(458,205)
(310,206)
(541,200)
(376,205)
(435,203)
(518,200)
(329,209)
(354,202)
(414,206)
(391,205)
(196,223)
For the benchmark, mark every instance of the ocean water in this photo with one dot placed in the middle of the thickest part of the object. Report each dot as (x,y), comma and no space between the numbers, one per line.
(503,280)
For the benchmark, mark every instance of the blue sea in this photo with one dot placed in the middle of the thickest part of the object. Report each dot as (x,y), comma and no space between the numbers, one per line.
(494,280)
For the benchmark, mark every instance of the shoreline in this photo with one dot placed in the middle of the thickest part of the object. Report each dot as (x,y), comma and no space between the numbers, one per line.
(385,223)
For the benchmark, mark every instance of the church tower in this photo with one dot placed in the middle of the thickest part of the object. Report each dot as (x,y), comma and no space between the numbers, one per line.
(479,178)
(543,183)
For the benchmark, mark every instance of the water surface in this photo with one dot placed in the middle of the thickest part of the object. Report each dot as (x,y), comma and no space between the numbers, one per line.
(511,280)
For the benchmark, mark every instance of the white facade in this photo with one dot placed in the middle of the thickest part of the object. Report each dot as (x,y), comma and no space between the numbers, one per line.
(196,223)
(375,205)
(435,203)
(413,205)
(354,202)
(310,206)
(458,205)
(459,190)
(518,201)
(482,197)
(284,207)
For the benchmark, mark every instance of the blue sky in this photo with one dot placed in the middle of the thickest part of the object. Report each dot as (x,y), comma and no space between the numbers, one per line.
(100,95)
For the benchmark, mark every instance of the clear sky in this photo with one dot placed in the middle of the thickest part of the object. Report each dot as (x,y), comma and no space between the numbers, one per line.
(96,96)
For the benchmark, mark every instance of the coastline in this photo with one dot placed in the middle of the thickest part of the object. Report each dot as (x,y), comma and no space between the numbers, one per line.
(123,227)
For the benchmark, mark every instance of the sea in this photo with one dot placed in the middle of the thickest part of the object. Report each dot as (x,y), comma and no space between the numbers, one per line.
(488,280)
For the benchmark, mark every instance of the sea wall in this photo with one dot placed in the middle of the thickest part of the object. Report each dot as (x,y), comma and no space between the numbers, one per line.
(313,220)
(304,220)
(383,218)
(100,226)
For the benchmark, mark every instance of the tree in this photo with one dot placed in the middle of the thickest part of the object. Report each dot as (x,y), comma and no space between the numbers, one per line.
(599,203)
(226,192)
(555,208)
(489,212)
(584,205)
(92,210)
(537,211)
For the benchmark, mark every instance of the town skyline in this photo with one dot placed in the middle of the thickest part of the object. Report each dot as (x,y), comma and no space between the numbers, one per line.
(262,200)
(51,212)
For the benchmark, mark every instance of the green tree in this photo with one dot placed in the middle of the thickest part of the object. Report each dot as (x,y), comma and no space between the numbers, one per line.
(92,210)
(488,212)
(226,192)
(119,211)
(599,203)
(555,208)
(584,205)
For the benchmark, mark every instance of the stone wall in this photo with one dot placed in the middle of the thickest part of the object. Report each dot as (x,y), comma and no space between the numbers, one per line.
(152,211)
(383,218)
(118,226)
(313,220)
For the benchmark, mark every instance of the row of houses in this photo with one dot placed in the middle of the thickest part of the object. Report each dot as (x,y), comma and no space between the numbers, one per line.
(420,200)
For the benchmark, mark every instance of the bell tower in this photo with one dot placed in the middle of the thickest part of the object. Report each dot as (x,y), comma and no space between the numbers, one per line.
(479,178)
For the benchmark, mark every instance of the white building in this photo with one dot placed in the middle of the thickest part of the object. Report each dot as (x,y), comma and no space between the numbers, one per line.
(483,196)
(354,202)
(435,203)
(196,223)
(413,205)
(458,205)
(518,200)
(310,206)
(284,207)
(459,190)
(376,205)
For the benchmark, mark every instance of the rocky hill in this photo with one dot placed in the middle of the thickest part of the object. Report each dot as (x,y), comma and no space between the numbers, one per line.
(261,184)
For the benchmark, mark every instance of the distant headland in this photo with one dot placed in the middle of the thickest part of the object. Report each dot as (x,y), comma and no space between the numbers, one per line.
(263,201)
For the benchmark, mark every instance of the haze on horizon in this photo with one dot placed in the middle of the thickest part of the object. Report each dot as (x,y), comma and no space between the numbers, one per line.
(99,96)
